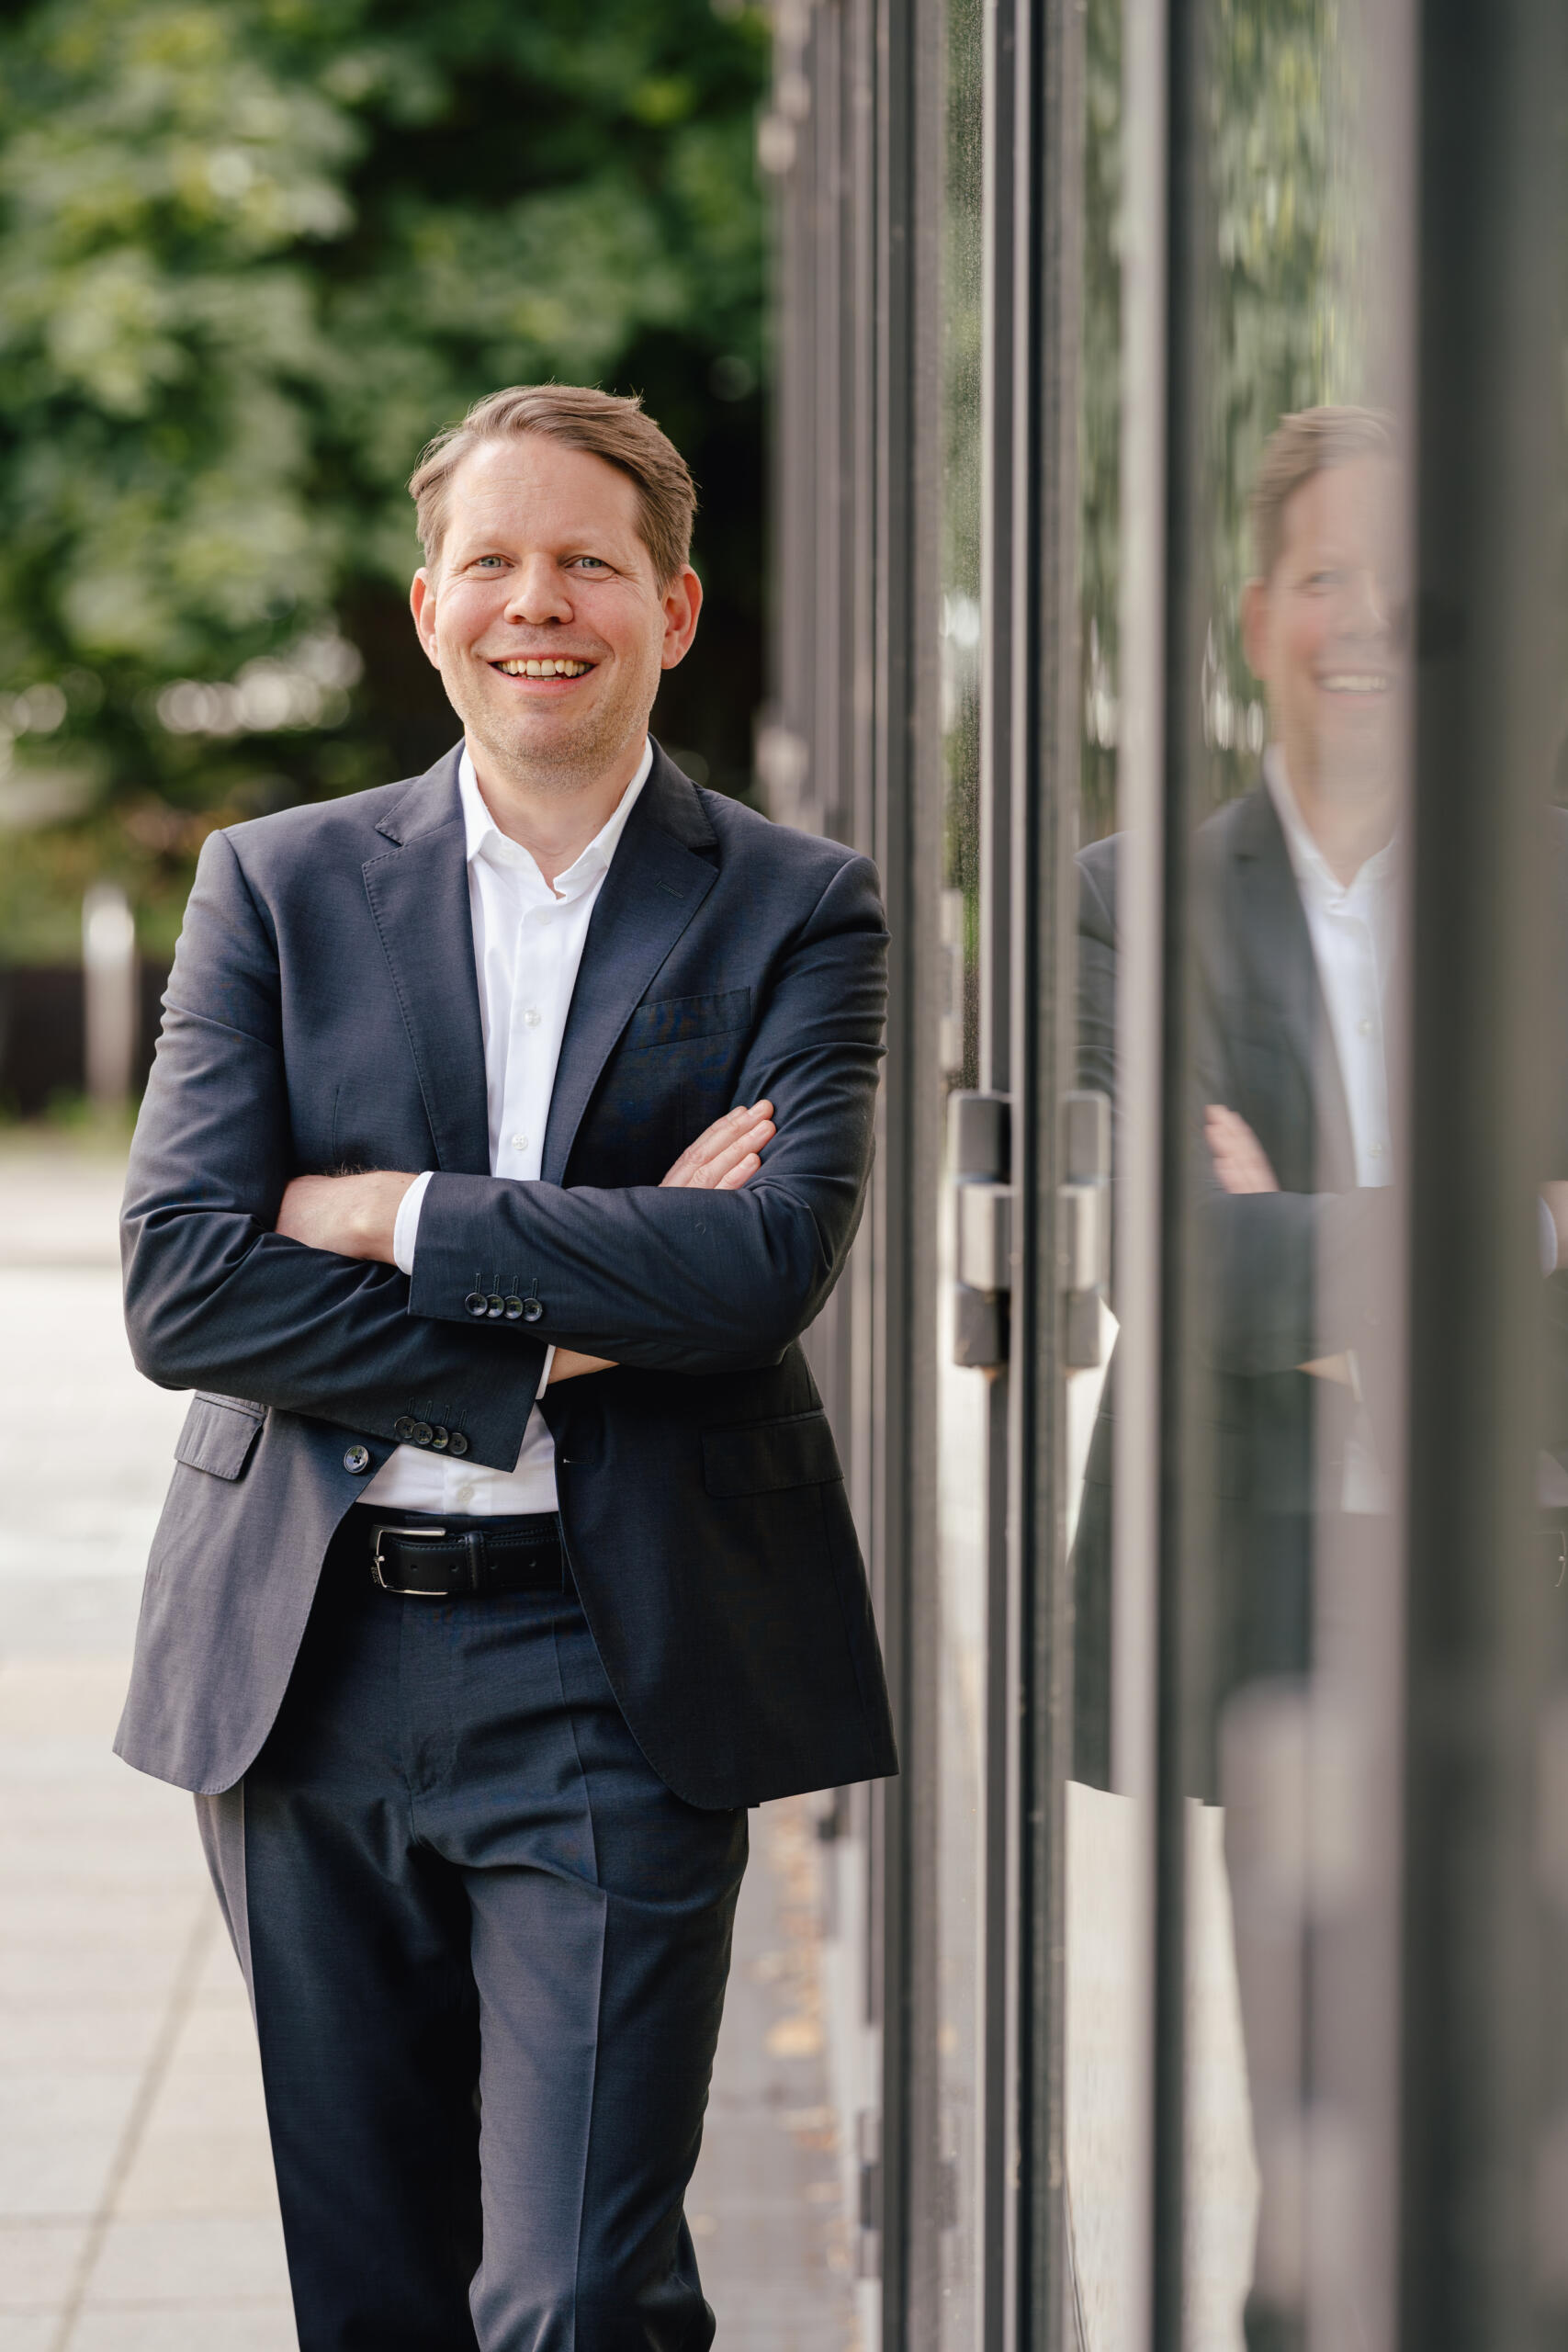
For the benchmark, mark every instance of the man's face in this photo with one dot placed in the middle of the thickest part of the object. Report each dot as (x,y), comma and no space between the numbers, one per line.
(1326,631)
(543,614)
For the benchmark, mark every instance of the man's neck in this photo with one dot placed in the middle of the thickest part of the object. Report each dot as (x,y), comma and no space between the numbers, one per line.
(1348,827)
(551,816)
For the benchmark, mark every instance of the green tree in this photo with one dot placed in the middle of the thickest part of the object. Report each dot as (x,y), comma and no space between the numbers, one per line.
(252,253)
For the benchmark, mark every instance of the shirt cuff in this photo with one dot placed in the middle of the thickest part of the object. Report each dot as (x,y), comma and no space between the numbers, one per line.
(405,1232)
(545,1375)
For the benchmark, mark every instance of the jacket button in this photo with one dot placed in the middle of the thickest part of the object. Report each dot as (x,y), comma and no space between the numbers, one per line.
(514,1308)
(402,1429)
(438,1439)
(533,1310)
(477,1302)
(356,1459)
(422,1432)
(495,1306)
(457,1442)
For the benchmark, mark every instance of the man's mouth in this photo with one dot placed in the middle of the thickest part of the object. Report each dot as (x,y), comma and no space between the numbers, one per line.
(1355,681)
(557,665)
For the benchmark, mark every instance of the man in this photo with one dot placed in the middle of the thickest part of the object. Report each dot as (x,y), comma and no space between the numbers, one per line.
(507,1127)
(1292,925)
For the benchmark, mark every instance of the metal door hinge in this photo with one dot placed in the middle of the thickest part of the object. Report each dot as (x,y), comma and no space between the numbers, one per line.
(980,1131)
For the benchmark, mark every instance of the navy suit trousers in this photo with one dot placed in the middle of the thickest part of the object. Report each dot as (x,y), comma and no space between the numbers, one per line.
(487,1950)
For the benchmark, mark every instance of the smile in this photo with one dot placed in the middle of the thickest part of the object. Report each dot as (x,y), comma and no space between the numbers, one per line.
(1355,681)
(556,666)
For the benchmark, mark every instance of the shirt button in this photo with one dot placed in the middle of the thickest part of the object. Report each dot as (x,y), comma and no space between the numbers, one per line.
(533,1017)
(519,1143)
(1364,1026)
(1378,1149)
(357,1459)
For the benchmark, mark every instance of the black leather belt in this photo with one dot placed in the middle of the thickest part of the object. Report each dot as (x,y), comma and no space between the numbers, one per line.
(446,1560)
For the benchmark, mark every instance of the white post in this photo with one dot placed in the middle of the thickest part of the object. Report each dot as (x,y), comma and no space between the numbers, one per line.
(109,973)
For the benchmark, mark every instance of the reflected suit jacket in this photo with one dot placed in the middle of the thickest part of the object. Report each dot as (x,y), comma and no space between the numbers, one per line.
(1283,1278)
(322,1014)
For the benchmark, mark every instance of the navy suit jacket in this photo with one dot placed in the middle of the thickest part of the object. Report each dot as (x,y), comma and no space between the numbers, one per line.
(322,1014)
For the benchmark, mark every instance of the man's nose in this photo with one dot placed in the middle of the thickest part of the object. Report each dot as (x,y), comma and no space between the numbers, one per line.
(538,593)
(1369,604)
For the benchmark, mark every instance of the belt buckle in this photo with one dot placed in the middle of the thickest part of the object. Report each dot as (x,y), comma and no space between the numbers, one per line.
(408,1591)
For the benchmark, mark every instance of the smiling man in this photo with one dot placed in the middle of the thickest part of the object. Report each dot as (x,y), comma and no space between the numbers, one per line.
(1292,932)
(507,1127)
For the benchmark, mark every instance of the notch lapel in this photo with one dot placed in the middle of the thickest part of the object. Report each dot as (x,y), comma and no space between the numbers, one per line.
(419,897)
(654,887)
(1280,950)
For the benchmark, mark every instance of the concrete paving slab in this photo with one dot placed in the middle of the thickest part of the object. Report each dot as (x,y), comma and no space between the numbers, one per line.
(38,2260)
(26,2332)
(223,2326)
(194,2259)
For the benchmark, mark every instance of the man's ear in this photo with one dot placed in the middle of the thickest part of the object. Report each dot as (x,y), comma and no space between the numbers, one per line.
(1254,628)
(422,604)
(683,601)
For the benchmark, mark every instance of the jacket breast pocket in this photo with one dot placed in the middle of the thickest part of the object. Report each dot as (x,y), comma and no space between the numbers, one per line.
(766,1457)
(675,1020)
(219,1434)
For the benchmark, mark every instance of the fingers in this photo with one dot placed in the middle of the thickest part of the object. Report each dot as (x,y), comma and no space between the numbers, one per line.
(1241,1164)
(720,1152)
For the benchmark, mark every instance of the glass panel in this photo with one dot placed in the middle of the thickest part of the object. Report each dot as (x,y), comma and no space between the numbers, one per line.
(962,1395)
(1289,765)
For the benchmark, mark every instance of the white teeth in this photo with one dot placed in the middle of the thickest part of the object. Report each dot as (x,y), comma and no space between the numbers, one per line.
(1354,682)
(555,668)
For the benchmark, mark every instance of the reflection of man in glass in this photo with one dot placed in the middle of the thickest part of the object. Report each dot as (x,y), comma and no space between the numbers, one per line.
(1296,919)
(1292,916)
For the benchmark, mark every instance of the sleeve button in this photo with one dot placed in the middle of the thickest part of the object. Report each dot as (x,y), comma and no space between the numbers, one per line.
(457,1442)
(495,1306)
(403,1429)
(477,1302)
(422,1432)
(533,1310)
(513,1309)
(356,1459)
(439,1439)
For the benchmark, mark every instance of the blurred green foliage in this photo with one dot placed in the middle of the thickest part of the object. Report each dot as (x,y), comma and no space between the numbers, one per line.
(1284,319)
(253,253)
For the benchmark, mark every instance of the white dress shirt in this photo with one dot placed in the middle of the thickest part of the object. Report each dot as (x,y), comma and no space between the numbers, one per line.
(1352,927)
(528,941)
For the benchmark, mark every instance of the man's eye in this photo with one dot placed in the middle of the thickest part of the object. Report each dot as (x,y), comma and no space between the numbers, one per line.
(484,560)
(590,563)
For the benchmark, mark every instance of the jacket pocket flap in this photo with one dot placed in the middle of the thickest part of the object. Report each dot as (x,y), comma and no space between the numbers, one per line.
(676,1018)
(760,1457)
(218,1436)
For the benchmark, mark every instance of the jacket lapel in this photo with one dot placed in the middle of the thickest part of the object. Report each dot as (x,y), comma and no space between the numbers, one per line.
(419,897)
(654,887)
(1279,953)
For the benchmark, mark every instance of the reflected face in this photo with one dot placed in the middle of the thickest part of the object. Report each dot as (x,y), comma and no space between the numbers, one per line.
(543,613)
(1326,631)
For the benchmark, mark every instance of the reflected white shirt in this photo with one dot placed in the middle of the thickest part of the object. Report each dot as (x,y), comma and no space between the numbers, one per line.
(1352,927)
(528,943)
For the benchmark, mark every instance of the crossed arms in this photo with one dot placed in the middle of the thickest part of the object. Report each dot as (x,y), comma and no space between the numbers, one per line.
(679,1277)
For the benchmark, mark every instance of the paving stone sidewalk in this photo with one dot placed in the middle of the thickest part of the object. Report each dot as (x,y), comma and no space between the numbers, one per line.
(136,2207)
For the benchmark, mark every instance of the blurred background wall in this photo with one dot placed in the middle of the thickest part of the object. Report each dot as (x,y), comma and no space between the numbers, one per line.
(253,253)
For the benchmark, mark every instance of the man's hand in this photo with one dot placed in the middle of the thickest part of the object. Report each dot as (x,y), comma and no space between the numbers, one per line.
(721,1160)
(725,1154)
(354,1217)
(1241,1164)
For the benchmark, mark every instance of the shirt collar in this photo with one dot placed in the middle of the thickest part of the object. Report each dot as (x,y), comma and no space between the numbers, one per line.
(485,839)
(1312,869)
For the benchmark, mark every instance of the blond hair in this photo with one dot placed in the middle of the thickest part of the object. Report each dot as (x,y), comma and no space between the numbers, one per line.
(1299,448)
(606,424)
